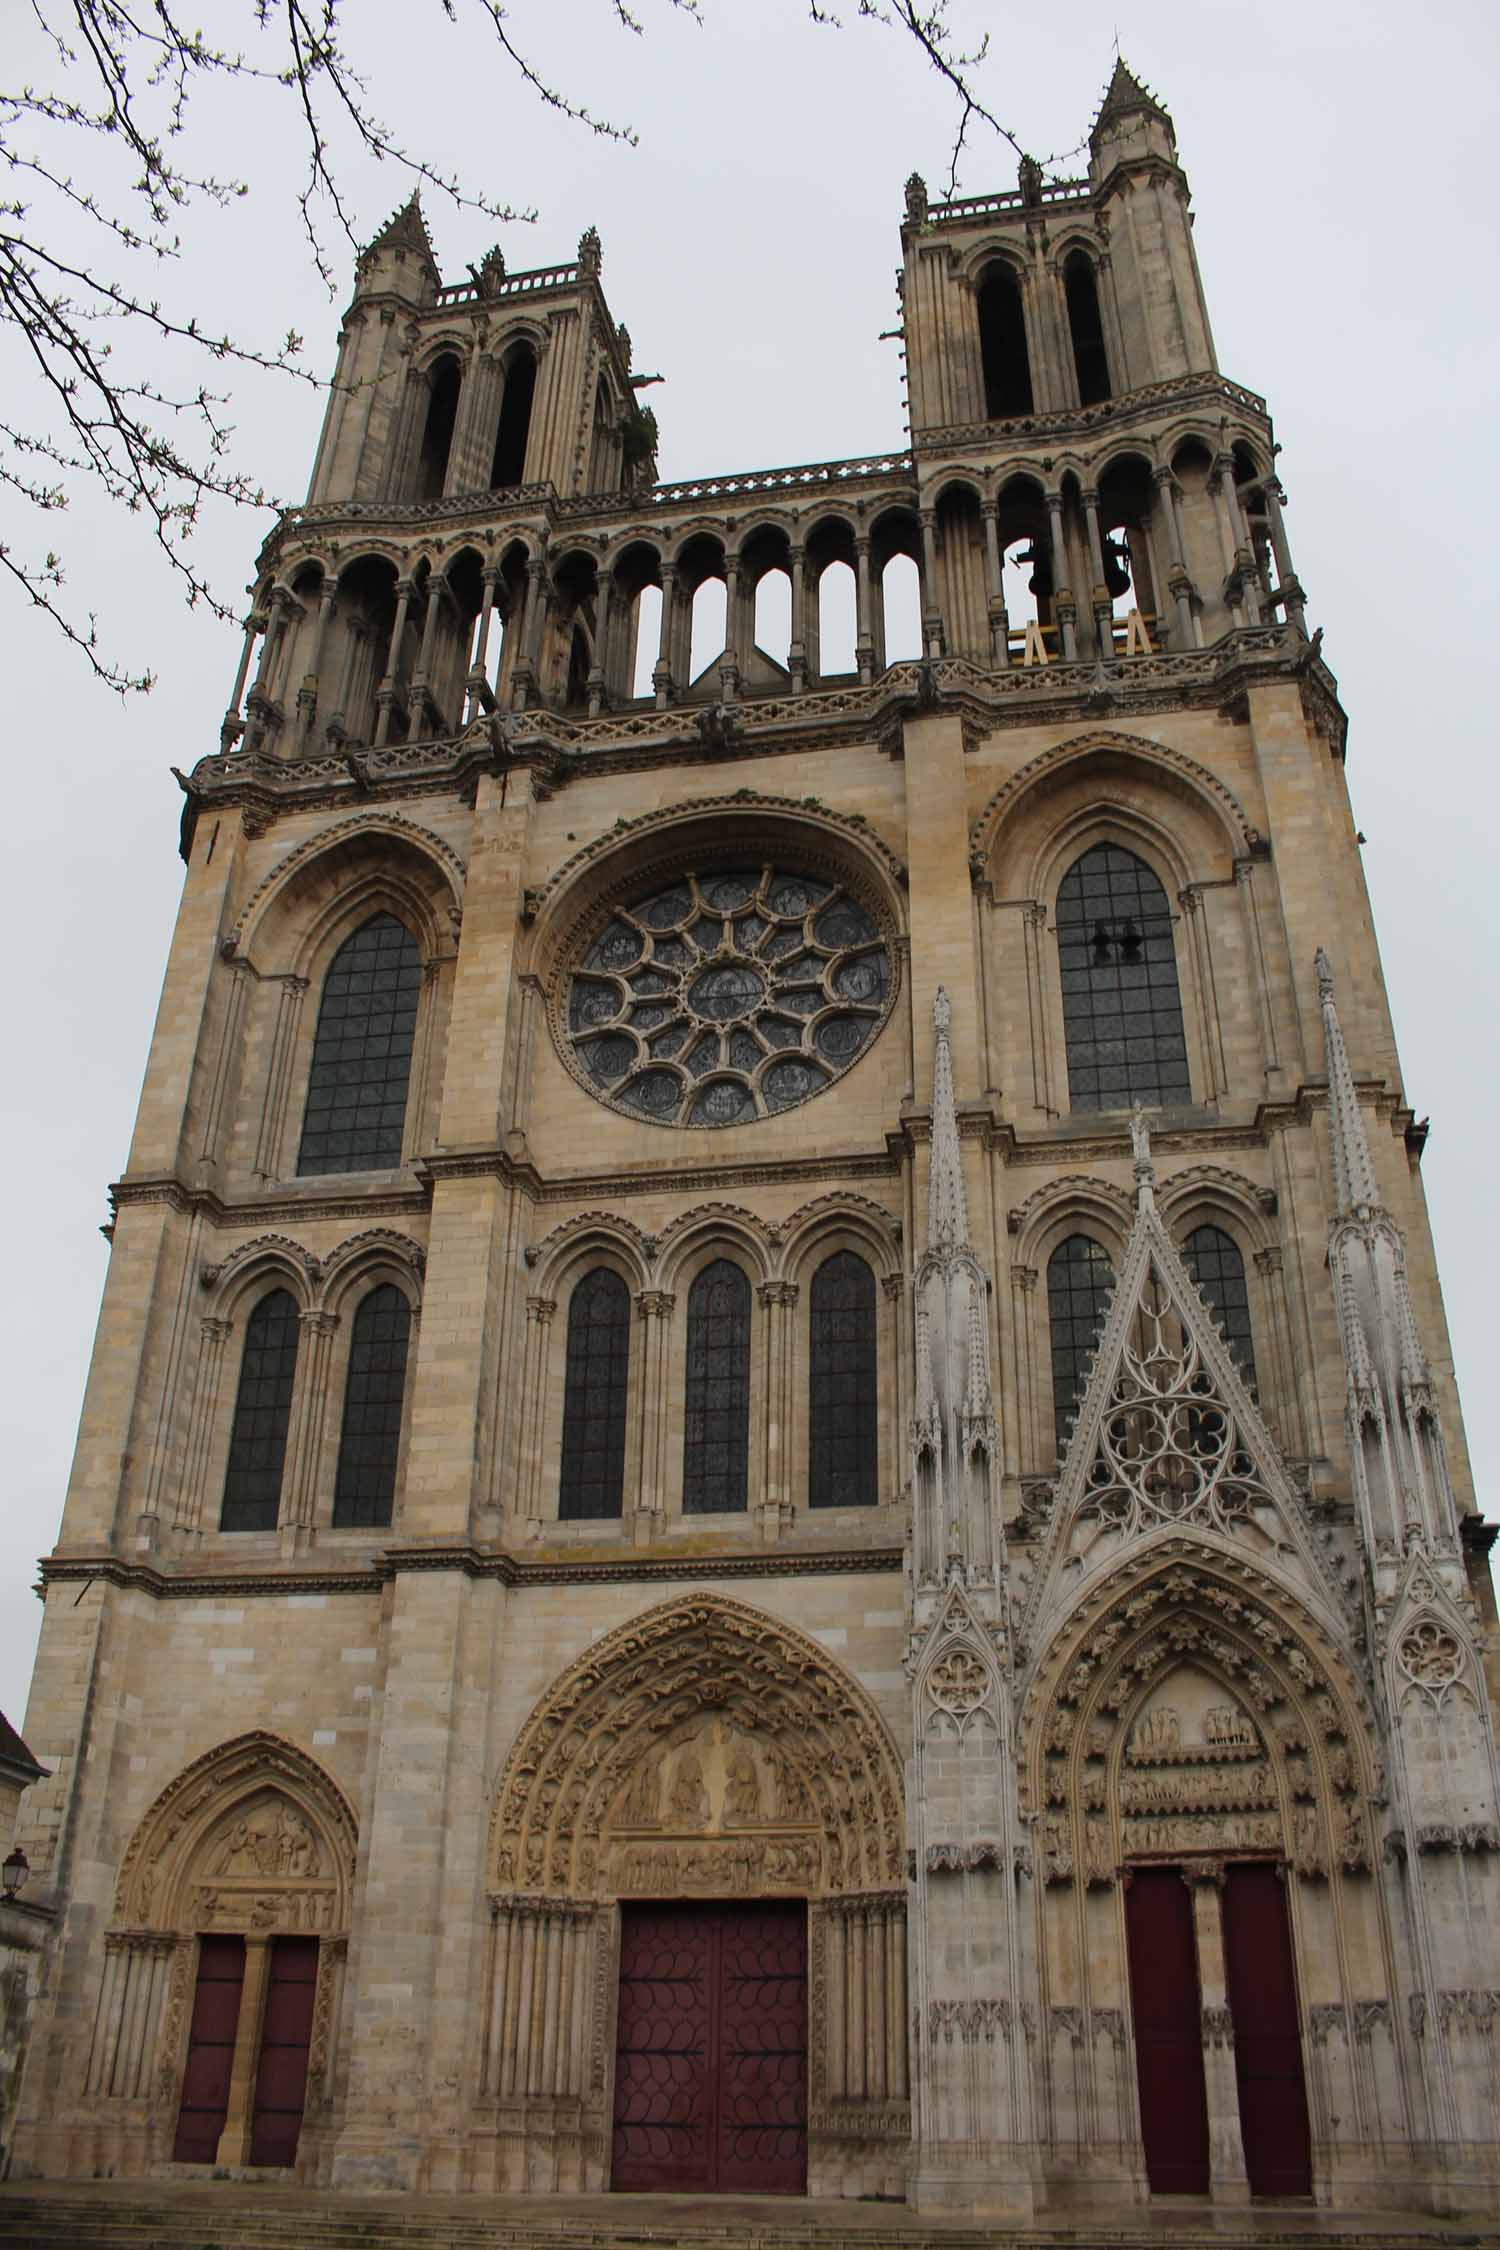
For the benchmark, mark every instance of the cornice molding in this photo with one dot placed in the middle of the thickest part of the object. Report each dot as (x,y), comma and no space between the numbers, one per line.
(204,1582)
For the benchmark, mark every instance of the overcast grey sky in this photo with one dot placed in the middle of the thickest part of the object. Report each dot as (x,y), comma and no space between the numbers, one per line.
(1340,157)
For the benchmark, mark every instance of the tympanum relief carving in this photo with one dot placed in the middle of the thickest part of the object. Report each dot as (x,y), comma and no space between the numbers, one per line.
(714,1810)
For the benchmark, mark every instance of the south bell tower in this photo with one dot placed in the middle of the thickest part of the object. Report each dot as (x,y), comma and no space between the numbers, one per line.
(772,1303)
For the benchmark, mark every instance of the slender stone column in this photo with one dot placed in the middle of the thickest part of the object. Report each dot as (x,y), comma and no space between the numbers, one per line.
(308,693)
(234,2141)
(1063,607)
(1179,584)
(1228,2177)
(192,1492)
(233,726)
(661,677)
(272,1136)
(655,1307)
(1099,597)
(603,621)
(864,639)
(796,655)
(778,1298)
(523,677)
(385,696)
(932,615)
(1244,883)
(729,662)
(262,714)
(1288,580)
(539,1312)
(309,1420)
(1243,590)
(437,589)
(995,575)
(478,680)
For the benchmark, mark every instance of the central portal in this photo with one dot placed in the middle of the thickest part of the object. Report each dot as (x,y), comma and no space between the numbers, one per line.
(711,2050)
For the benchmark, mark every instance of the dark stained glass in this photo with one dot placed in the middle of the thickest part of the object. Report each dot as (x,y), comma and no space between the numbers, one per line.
(844,1400)
(262,1413)
(593,1446)
(1079,1280)
(716,1448)
(356,1093)
(364,1489)
(1122,1011)
(1213,1259)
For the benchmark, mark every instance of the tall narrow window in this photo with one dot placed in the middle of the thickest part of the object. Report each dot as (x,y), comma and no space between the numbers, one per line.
(262,1414)
(716,1447)
(1213,1259)
(509,467)
(1086,329)
(593,1447)
(364,1490)
(1002,346)
(843,1405)
(1122,1012)
(356,1094)
(437,435)
(1079,1280)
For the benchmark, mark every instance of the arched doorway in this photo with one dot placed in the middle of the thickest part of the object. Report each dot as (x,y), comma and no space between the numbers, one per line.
(702,1808)
(1197,1763)
(224,1964)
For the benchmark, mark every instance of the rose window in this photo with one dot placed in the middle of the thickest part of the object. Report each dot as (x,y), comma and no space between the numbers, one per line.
(726,996)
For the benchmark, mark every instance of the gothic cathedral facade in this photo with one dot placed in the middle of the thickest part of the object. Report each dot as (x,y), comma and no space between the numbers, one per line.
(771,1497)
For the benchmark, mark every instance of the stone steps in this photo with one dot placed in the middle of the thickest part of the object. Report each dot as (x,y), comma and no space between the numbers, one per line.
(144,2216)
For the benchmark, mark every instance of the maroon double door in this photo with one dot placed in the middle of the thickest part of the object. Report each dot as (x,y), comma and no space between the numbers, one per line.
(1164,1997)
(711,2050)
(281,2065)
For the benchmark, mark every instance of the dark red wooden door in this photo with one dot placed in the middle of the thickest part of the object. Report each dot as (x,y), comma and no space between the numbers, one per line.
(1267,2039)
(210,2058)
(1168,2030)
(286,2036)
(711,2049)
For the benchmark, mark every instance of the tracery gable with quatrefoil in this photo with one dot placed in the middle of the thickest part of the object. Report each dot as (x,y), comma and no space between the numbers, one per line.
(1168,1439)
(719,993)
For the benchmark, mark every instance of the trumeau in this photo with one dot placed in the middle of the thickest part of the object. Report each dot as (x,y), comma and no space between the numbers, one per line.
(477,1755)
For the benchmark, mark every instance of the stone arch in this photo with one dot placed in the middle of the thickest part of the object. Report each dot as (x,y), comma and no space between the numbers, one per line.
(378,1253)
(623,1779)
(1182,1610)
(1079,1202)
(1156,762)
(708,1230)
(255,1834)
(291,905)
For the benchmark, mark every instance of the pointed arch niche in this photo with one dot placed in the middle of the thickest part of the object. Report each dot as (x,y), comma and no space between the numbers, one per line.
(705,1751)
(1192,1715)
(254,1841)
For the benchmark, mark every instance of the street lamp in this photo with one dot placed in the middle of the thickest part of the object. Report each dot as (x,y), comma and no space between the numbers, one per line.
(14,1870)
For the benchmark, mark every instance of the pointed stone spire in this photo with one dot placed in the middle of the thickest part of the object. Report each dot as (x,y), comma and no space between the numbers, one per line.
(947,1209)
(1145,1170)
(405,235)
(1354,1183)
(1125,96)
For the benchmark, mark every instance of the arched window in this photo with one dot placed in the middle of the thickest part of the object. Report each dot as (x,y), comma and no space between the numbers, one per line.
(364,1490)
(509,466)
(1213,1259)
(843,1448)
(1122,1012)
(262,1413)
(1081,288)
(1079,1280)
(356,1093)
(445,383)
(1002,346)
(716,1446)
(593,1445)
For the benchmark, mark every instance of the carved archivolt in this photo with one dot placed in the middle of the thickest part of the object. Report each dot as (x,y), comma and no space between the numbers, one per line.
(367,828)
(705,1748)
(1175,767)
(777,1250)
(254,1836)
(1190,1711)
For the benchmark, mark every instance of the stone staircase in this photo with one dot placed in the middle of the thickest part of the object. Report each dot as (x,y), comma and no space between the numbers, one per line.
(153,2215)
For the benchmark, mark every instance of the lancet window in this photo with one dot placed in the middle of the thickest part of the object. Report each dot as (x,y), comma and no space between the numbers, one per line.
(594,1398)
(1122,1009)
(1002,345)
(369,1444)
(361,1064)
(1079,1280)
(1086,329)
(1213,1259)
(843,1452)
(716,1446)
(262,1416)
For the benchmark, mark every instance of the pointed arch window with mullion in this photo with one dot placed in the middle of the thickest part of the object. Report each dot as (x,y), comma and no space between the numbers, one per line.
(716,1440)
(1122,1005)
(355,1115)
